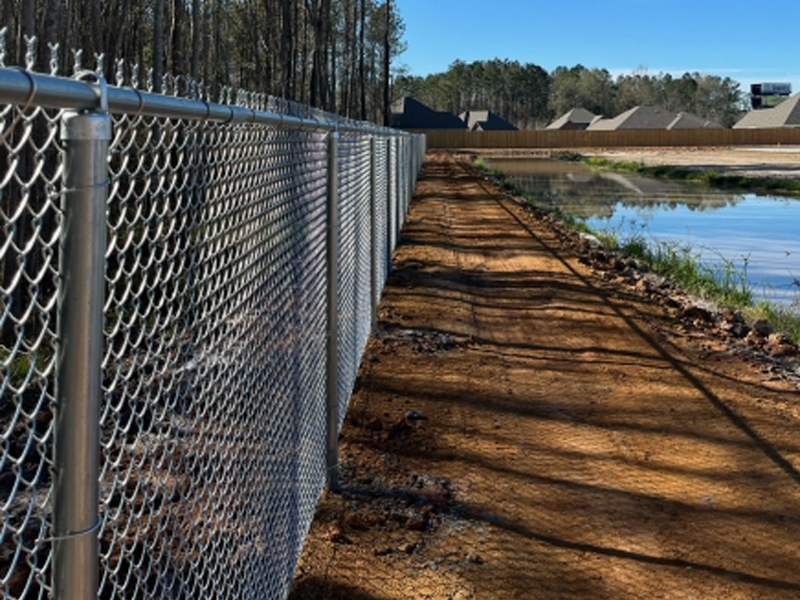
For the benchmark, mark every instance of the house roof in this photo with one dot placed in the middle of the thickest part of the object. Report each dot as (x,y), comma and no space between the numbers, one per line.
(687,120)
(786,114)
(485,120)
(639,117)
(577,116)
(409,113)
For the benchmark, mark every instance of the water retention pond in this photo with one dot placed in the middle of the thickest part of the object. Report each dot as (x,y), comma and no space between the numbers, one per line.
(759,235)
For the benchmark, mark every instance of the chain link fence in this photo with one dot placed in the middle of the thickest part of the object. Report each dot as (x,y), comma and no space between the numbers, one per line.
(238,279)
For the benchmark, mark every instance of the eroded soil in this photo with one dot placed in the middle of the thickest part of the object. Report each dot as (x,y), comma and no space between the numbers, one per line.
(525,426)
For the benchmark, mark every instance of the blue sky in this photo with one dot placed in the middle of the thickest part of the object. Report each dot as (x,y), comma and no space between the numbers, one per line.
(745,40)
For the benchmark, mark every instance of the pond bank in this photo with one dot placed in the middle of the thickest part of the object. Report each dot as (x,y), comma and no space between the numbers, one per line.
(773,168)
(748,238)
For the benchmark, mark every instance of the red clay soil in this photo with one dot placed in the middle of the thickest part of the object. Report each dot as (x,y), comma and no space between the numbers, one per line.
(525,428)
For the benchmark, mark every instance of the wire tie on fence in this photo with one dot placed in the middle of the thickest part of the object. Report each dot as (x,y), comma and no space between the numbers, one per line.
(28,103)
(230,119)
(135,117)
(73,534)
(107,182)
(140,108)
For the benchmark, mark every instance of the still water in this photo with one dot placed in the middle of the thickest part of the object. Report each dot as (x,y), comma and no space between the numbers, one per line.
(761,233)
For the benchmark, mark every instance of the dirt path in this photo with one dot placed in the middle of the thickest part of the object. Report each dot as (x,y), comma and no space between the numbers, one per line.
(576,444)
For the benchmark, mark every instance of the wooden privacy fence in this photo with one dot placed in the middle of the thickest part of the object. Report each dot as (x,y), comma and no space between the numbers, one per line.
(453,139)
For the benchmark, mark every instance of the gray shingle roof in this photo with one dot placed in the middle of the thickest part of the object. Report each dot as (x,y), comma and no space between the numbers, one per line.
(485,120)
(786,114)
(639,117)
(409,113)
(577,118)
(686,120)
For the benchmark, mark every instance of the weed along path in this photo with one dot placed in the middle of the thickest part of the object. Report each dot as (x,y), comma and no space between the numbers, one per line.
(523,428)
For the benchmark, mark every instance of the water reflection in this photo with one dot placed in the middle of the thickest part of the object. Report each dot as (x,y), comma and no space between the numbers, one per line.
(758,233)
(584,193)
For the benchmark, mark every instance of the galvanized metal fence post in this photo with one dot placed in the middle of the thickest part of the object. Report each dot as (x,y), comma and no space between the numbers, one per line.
(76,449)
(407,165)
(332,379)
(373,215)
(398,218)
(389,207)
(408,143)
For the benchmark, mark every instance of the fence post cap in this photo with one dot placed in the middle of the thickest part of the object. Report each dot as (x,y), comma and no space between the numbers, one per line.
(85,126)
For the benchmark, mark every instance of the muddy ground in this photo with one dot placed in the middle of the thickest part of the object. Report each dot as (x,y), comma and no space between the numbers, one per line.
(535,419)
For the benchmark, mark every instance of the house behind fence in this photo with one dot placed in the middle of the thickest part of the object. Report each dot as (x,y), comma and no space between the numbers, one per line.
(187,288)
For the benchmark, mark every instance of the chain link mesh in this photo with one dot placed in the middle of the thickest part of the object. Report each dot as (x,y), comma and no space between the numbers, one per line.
(30,175)
(215,328)
(381,202)
(355,238)
(213,421)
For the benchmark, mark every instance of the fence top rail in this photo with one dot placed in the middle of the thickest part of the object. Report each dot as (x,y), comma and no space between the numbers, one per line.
(25,88)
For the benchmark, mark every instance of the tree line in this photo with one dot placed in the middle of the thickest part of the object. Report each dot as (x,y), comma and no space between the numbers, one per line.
(529,96)
(332,54)
(336,55)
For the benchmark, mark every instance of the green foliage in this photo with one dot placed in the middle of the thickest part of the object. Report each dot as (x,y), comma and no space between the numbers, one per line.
(517,92)
(567,155)
(709,96)
(528,96)
(328,53)
(719,280)
(783,319)
(21,371)
(624,166)
(579,87)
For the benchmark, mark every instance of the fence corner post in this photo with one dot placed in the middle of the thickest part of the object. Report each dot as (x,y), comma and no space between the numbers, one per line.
(78,393)
(332,375)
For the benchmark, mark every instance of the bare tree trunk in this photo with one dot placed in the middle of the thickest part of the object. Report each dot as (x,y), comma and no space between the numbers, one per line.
(196,34)
(206,35)
(97,27)
(304,95)
(315,19)
(117,33)
(52,21)
(330,48)
(178,14)
(158,44)
(262,75)
(327,81)
(387,114)
(345,98)
(222,46)
(9,17)
(27,26)
(286,62)
(352,66)
(362,75)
